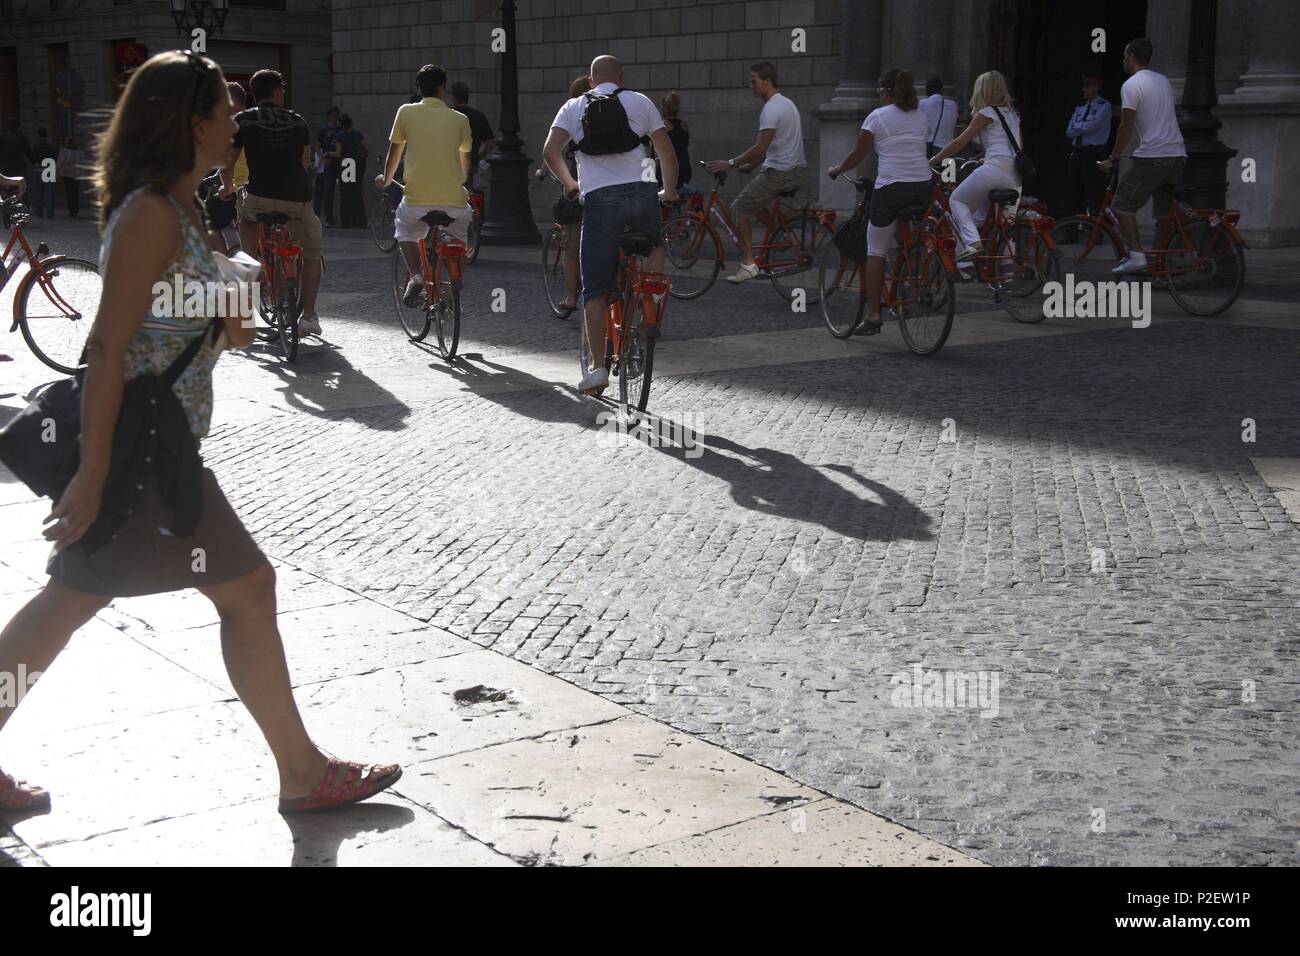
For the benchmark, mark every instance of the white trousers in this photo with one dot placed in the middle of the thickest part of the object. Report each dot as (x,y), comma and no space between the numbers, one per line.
(969,201)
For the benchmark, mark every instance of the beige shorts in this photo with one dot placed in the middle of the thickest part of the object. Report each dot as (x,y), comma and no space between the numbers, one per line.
(408,224)
(304,225)
(759,192)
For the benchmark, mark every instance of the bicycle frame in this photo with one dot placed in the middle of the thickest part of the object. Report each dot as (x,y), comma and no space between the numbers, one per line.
(9,269)
(776,219)
(449,252)
(278,255)
(634,284)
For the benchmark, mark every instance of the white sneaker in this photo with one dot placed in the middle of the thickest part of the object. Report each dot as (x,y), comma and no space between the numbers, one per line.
(414,290)
(597,378)
(309,325)
(744,273)
(1133,262)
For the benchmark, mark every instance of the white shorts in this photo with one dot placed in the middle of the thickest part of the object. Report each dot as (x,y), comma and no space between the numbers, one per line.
(408,226)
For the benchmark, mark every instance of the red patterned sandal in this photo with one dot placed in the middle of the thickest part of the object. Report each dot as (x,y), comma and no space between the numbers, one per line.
(345,783)
(20,795)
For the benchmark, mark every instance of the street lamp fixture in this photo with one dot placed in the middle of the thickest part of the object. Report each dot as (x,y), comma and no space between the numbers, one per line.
(206,15)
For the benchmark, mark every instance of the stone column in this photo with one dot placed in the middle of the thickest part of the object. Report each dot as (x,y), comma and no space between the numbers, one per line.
(922,41)
(1262,120)
(855,96)
(1168,23)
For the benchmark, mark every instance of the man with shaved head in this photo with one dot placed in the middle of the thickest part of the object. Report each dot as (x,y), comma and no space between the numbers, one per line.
(611,127)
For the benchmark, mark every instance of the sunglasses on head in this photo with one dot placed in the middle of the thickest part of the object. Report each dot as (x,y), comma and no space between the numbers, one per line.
(201,69)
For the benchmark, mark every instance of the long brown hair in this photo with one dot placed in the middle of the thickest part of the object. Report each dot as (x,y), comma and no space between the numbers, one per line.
(579,86)
(901,88)
(149,140)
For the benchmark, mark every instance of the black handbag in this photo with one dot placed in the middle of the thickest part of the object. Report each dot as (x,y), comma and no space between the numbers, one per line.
(1024,165)
(42,445)
(851,239)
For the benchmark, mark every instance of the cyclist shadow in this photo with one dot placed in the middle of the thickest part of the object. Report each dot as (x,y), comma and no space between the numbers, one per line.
(517,391)
(782,485)
(318,381)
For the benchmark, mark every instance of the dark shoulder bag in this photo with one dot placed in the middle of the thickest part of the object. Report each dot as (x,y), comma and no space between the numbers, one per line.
(1024,165)
(42,445)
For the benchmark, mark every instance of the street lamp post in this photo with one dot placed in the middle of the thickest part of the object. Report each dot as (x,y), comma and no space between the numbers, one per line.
(1206,175)
(206,15)
(509,216)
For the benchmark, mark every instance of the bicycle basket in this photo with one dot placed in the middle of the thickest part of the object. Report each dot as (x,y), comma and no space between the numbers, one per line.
(567,211)
(851,239)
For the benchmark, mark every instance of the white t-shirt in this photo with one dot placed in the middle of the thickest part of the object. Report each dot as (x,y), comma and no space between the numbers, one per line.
(786,149)
(900,144)
(997,150)
(1150,94)
(613,169)
(941,110)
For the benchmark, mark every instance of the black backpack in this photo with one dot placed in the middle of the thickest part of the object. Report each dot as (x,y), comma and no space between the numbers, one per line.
(605,129)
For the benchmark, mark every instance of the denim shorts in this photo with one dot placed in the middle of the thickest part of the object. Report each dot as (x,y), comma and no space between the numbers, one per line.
(606,213)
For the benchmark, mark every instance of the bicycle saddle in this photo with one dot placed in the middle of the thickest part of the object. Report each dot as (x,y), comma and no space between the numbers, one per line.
(273,218)
(914,212)
(1004,197)
(787,193)
(635,244)
(436,217)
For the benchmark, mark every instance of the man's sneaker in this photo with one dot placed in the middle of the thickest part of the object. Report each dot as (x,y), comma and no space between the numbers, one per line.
(1133,262)
(968,253)
(596,379)
(414,289)
(744,274)
(309,325)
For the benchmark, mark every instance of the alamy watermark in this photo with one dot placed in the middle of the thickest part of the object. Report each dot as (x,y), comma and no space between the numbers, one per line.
(946,689)
(652,430)
(194,298)
(1098,300)
(14,686)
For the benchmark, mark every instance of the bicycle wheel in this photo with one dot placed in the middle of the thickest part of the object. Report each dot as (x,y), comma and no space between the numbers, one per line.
(636,364)
(792,258)
(288,308)
(927,299)
(381,228)
(553,272)
(446,320)
(1206,278)
(1086,250)
(415,319)
(56,321)
(841,289)
(693,256)
(1020,266)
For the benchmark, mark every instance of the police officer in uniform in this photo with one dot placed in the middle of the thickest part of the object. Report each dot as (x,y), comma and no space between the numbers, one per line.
(1088,132)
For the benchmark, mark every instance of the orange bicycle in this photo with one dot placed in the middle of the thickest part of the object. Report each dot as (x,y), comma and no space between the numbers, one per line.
(1018,255)
(55,322)
(792,241)
(442,263)
(632,323)
(1199,255)
(919,290)
(281,291)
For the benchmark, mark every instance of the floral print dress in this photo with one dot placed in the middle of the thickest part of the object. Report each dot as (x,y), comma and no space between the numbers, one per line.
(162,337)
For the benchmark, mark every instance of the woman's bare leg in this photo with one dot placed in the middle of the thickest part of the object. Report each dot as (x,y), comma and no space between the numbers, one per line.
(254,655)
(40,630)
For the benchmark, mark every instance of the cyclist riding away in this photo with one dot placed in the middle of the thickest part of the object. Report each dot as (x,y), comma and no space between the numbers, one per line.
(611,126)
(897,131)
(277,142)
(1157,163)
(434,142)
(780,148)
(990,107)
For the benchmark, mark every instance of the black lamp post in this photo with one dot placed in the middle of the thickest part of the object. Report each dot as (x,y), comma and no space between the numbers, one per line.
(509,216)
(1206,175)
(206,15)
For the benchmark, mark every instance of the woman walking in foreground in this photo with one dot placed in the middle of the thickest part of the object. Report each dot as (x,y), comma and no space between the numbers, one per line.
(172,125)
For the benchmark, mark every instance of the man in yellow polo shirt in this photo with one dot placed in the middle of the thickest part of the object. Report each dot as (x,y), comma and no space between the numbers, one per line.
(437,143)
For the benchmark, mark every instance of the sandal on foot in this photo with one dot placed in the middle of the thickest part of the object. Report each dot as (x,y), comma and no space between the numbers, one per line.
(867,327)
(20,795)
(345,783)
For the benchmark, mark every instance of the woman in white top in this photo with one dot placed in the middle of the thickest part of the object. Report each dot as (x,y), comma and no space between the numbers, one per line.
(897,133)
(969,201)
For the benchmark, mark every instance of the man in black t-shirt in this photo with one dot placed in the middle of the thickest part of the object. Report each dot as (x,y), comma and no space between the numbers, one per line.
(278,145)
(482,140)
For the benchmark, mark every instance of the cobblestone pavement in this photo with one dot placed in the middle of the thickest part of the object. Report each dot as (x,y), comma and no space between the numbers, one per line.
(1095,539)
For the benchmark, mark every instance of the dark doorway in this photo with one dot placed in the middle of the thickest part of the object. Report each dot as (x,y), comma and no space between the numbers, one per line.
(1044,47)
